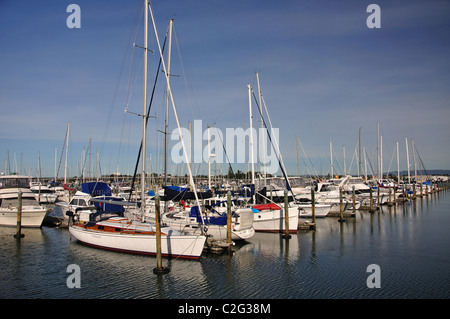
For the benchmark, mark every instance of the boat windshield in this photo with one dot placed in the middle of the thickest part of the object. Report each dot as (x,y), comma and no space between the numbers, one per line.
(14,182)
(12,202)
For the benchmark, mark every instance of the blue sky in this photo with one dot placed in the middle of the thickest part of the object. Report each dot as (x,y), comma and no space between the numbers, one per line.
(323,72)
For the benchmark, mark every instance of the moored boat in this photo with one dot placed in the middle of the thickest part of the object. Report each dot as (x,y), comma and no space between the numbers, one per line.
(32,213)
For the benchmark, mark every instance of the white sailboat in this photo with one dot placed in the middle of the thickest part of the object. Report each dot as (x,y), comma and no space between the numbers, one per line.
(135,236)
(32,213)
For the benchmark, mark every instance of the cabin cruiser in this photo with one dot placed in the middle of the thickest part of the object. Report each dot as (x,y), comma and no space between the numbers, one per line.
(32,213)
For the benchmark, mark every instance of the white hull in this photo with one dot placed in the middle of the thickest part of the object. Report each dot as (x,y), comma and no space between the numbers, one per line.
(320,210)
(274,221)
(32,216)
(216,232)
(182,246)
(241,224)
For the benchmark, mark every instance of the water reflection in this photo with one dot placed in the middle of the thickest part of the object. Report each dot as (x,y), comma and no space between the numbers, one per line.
(408,241)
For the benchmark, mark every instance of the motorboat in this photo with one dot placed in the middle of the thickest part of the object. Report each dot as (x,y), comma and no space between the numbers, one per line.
(32,214)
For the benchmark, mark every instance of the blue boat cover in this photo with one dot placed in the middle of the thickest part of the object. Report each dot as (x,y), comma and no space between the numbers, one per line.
(106,207)
(220,220)
(96,188)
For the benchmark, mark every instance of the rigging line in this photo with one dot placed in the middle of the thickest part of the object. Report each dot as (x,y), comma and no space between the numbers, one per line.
(130,76)
(228,159)
(108,122)
(421,162)
(176,115)
(62,152)
(146,120)
(370,164)
(392,158)
(185,76)
(278,154)
(312,165)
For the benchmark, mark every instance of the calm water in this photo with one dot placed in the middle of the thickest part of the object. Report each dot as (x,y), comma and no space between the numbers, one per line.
(410,244)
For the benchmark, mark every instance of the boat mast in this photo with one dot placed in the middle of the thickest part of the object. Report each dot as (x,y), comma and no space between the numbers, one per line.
(407,161)
(166,130)
(398,166)
(331,159)
(144,117)
(262,126)
(251,132)
(67,151)
(191,179)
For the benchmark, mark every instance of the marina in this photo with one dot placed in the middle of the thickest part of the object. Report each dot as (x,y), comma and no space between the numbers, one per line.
(227,209)
(407,240)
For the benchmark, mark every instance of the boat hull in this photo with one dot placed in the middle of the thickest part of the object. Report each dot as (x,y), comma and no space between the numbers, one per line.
(319,210)
(32,216)
(273,221)
(180,246)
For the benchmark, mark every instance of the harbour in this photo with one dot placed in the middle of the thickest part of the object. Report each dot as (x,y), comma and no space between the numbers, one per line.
(160,195)
(408,241)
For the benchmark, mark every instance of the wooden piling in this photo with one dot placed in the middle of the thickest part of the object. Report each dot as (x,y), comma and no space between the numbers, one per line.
(159,269)
(286,234)
(354,198)
(341,206)
(371,210)
(313,207)
(229,220)
(19,234)
(390,197)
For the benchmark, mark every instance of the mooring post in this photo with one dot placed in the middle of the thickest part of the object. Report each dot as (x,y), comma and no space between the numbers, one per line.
(159,270)
(286,234)
(341,205)
(354,198)
(390,198)
(371,200)
(229,220)
(313,206)
(395,200)
(19,234)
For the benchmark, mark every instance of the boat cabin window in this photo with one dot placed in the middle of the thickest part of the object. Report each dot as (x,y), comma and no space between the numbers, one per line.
(12,202)
(14,182)
(78,202)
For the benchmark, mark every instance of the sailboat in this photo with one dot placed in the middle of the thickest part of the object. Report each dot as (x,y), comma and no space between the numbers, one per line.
(271,217)
(131,235)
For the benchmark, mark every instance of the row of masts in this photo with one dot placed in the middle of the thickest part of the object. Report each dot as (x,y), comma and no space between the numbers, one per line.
(379,174)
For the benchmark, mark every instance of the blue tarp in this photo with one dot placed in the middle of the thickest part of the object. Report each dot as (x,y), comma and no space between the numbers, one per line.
(220,220)
(106,207)
(96,189)
(178,188)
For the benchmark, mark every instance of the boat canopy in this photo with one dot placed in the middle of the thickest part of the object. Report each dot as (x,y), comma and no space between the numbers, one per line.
(14,181)
(96,188)
(209,220)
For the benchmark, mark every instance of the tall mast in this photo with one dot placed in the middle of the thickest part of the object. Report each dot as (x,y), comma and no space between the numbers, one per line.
(298,159)
(262,126)
(191,180)
(381,158)
(67,151)
(331,159)
(144,117)
(251,132)
(398,165)
(407,160)
(414,160)
(359,152)
(378,149)
(166,130)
